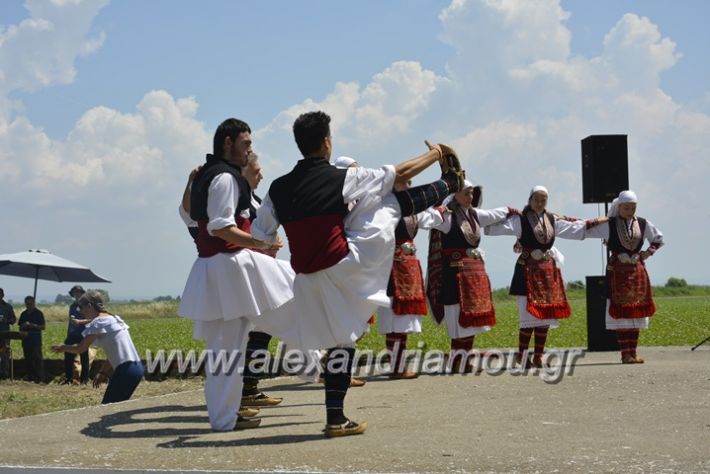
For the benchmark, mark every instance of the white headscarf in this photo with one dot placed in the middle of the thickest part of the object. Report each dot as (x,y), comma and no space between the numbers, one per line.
(343,162)
(538,189)
(624,196)
(556,254)
(466,184)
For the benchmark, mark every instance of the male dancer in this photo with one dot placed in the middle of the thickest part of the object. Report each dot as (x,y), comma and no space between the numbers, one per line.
(343,259)
(230,283)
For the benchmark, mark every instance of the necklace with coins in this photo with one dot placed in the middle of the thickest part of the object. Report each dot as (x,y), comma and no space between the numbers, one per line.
(541,226)
(629,232)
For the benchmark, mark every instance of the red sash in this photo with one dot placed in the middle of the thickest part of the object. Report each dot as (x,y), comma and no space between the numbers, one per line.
(546,290)
(475,294)
(209,245)
(407,284)
(630,290)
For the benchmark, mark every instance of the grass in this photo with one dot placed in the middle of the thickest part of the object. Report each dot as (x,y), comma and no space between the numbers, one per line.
(25,398)
(679,320)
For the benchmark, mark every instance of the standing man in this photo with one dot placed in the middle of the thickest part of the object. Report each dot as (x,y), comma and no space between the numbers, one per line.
(32,322)
(74,336)
(231,283)
(7,318)
(342,258)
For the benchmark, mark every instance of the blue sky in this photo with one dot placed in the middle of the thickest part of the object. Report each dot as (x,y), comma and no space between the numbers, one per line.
(106,105)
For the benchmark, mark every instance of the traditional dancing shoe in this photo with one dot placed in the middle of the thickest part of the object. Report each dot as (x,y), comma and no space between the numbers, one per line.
(346,429)
(537,362)
(451,170)
(637,359)
(357,382)
(628,359)
(246,412)
(404,375)
(260,400)
(247,423)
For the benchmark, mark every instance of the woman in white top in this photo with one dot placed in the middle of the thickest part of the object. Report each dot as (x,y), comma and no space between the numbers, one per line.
(630,300)
(109,332)
(459,288)
(537,281)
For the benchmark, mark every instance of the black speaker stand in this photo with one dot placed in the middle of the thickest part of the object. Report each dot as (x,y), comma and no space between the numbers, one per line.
(700,343)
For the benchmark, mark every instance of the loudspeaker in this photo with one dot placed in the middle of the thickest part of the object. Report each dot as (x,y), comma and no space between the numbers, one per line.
(605,167)
(598,337)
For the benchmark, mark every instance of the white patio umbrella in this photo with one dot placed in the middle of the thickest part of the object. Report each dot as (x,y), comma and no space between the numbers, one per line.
(43,265)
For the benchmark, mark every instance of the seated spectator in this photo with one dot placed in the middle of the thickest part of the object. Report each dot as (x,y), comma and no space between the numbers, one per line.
(109,332)
(7,318)
(32,322)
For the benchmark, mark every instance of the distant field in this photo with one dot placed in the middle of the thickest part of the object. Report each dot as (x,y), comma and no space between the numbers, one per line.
(680,320)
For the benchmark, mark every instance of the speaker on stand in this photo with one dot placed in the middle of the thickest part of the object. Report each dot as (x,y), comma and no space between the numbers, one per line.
(605,173)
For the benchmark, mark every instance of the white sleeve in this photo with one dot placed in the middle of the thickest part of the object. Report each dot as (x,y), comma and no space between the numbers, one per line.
(445,225)
(491,216)
(572,230)
(600,231)
(429,218)
(359,182)
(653,234)
(186,217)
(222,199)
(266,223)
(510,226)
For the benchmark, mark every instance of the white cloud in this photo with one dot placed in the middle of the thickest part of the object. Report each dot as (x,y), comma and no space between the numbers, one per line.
(515,101)
(42,49)
(107,148)
(362,118)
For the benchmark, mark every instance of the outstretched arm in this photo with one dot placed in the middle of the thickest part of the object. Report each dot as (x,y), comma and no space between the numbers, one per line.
(83,346)
(510,226)
(410,168)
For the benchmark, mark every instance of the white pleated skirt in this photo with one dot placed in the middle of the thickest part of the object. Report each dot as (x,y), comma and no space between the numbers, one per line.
(388,322)
(232,285)
(527,320)
(624,323)
(454,329)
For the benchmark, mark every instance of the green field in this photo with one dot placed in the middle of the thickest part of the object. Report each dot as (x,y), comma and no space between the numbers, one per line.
(679,321)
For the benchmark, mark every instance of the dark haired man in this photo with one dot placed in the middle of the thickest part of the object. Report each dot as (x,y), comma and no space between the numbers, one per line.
(342,258)
(230,284)
(32,322)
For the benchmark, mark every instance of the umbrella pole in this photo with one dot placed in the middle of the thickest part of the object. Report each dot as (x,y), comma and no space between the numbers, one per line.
(34,295)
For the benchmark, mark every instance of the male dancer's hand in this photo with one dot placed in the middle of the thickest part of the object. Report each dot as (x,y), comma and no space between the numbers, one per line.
(434,146)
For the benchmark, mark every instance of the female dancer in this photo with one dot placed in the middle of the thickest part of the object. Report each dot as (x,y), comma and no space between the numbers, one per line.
(461,296)
(630,300)
(537,281)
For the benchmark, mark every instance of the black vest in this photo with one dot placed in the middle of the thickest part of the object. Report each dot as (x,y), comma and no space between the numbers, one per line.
(455,239)
(312,188)
(527,238)
(614,243)
(201,185)
(252,209)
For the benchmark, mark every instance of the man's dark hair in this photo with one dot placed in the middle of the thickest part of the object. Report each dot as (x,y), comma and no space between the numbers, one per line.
(309,130)
(229,128)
